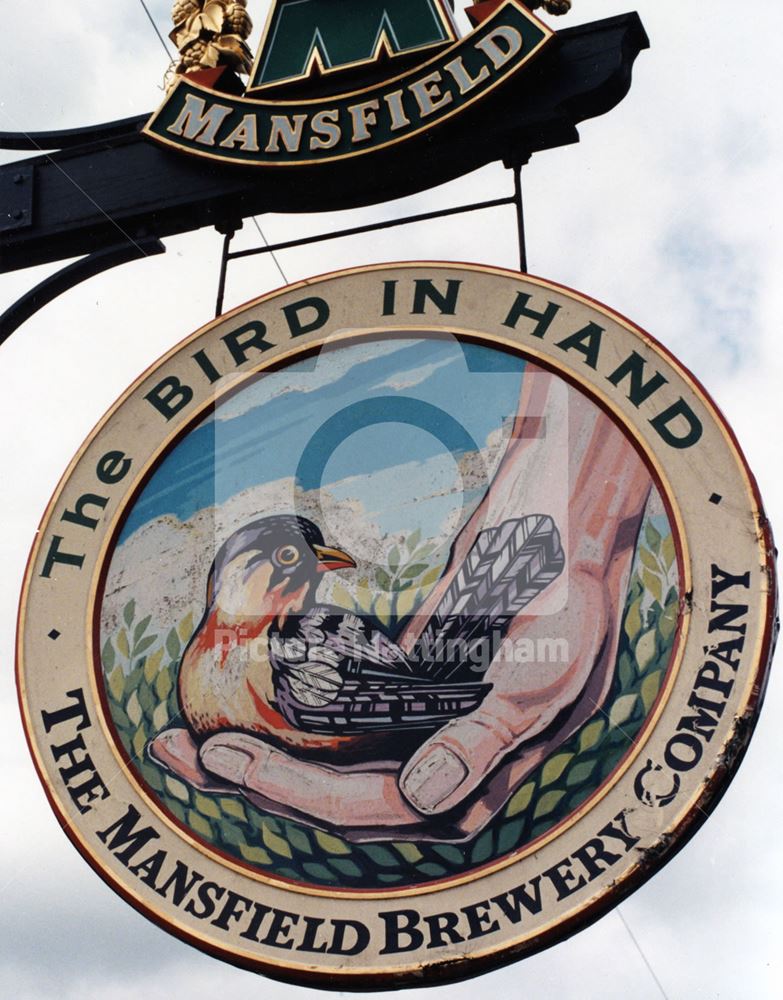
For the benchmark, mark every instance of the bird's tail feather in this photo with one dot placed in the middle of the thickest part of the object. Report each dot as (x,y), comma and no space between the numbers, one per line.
(505,569)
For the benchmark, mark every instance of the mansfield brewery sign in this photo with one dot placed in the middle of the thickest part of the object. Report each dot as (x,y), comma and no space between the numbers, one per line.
(402,621)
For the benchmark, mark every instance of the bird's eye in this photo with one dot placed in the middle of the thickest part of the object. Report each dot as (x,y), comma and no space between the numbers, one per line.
(287,555)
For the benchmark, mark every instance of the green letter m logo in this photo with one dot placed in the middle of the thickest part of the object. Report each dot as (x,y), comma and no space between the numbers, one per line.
(336,34)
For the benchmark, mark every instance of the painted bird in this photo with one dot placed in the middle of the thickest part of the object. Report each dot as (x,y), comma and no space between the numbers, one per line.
(266,658)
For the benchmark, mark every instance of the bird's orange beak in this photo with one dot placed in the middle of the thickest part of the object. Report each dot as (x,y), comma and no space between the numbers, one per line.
(332,559)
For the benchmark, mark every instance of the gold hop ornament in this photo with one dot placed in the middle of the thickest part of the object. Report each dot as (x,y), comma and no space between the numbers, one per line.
(211,33)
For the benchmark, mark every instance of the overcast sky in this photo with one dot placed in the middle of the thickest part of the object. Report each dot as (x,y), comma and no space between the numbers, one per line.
(669,211)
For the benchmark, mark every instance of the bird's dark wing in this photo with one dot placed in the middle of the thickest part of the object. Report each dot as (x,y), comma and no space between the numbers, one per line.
(504,570)
(380,706)
(319,652)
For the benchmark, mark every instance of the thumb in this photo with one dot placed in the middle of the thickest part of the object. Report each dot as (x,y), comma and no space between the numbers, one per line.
(454,762)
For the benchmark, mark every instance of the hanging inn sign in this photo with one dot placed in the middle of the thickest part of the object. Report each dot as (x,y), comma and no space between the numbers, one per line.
(400,622)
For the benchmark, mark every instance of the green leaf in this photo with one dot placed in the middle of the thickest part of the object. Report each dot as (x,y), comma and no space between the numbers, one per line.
(650,688)
(299,840)
(117,683)
(521,799)
(107,656)
(133,709)
(591,734)
(483,848)
(382,609)
(139,742)
(255,855)
(330,844)
(509,836)
(129,612)
(432,576)
(622,710)
(122,643)
(342,597)
(411,572)
(633,619)
(626,672)
(141,628)
(275,843)
(394,559)
(652,537)
(450,853)
(163,684)
(152,665)
(178,789)
(319,873)
(554,767)
(199,824)
(185,627)
(548,803)
(410,852)
(406,602)
(207,807)
(144,645)
(581,773)
(230,833)
(667,623)
(646,651)
(649,560)
(668,551)
(160,717)
(346,867)
(423,551)
(146,699)
(413,539)
(172,644)
(383,579)
(380,855)
(233,807)
(653,584)
(431,870)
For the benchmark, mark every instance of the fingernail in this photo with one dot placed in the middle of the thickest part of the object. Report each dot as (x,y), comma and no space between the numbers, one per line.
(434,779)
(227,762)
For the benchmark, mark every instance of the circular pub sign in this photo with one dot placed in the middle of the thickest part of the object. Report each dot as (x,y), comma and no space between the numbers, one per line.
(396,625)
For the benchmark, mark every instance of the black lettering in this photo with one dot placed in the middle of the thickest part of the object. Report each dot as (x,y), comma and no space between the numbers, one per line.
(78,515)
(169,396)
(618,829)
(113,467)
(389,298)
(234,908)
(125,839)
(280,928)
(595,858)
(443,929)
(479,920)
(564,880)
(543,319)
(586,342)
(709,677)
(726,617)
(209,894)
(688,436)
(182,880)
(725,652)
(445,302)
(76,711)
(56,555)
(721,580)
(683,752)
(638,391)
(402,933)
(149,869)
(240,341)
(512,902)
(340,945)
(296,325)
(204,363)
(260,913)
(312,926)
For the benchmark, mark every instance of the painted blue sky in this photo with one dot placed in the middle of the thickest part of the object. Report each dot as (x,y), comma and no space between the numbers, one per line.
(358,420)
